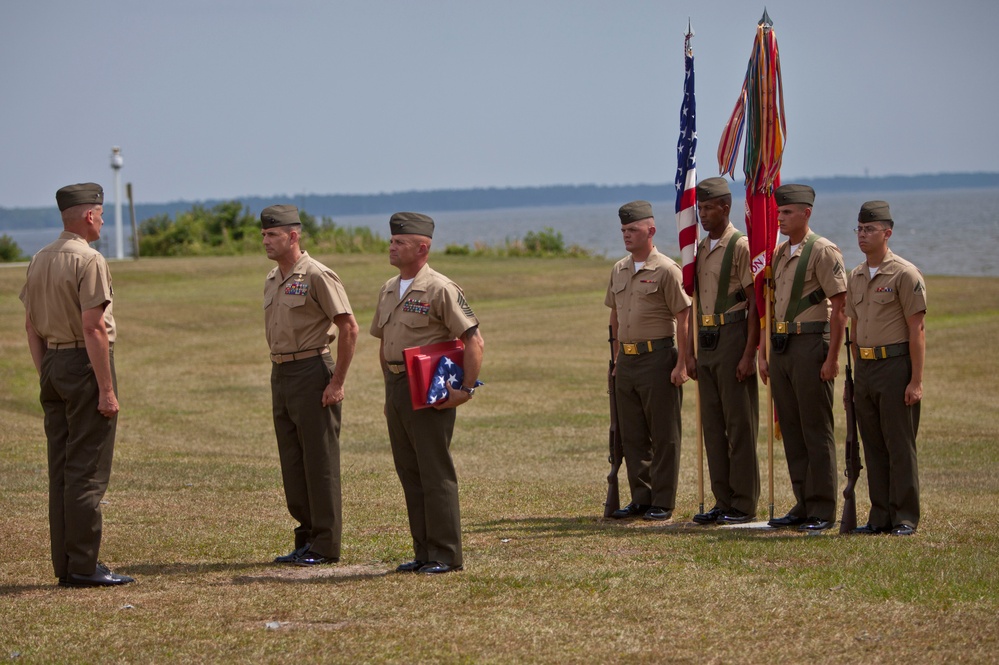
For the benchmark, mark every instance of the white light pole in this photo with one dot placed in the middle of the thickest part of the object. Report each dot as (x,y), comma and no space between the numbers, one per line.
(116,164)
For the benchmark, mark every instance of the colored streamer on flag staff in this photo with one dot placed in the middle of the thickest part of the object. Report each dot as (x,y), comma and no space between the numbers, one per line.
(759,113)
(686,173)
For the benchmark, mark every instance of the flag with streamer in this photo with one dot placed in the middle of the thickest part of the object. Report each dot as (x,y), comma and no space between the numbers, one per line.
(759,113)
(686,173)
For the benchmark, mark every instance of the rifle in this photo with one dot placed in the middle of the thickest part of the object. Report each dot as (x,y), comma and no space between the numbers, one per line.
(848,522)
(613,501)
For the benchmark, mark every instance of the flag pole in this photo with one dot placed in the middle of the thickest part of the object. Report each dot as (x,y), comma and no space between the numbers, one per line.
(686,224)
(767,285)
(695,309)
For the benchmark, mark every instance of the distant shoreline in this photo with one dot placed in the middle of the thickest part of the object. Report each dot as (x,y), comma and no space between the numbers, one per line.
(490,198)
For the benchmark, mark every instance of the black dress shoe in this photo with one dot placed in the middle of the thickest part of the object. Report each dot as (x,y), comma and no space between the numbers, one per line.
(631,510)
(903,530)
(709,517)
(867,530)
(102,576)
(786,521)
(292,556)
(816,524)
(658,514)
(311,558)
(734,516)
(436,568)
(410,566)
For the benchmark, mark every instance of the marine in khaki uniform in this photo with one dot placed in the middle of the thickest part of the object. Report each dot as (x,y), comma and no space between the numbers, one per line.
(648,309)
(67,300)
(886,303)
(421,306)
(304,306)
(725,362)
(808,323)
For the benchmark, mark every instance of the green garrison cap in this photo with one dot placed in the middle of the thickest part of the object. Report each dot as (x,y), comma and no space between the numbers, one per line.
(794,194)
(875,211)
(635,211)
(411,223)
(712,188)
(279,215)
(74,195)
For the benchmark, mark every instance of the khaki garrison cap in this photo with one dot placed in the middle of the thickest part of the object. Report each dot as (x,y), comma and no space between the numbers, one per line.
(875,211)
(712,188)
(279,215)
(635,211)
(411,223)
(794,194)
(74,195)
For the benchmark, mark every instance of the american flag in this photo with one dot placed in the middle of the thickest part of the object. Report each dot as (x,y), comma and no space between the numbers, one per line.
(447,372)
(686,174)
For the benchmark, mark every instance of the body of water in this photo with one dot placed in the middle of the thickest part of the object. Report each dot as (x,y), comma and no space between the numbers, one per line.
(944,232)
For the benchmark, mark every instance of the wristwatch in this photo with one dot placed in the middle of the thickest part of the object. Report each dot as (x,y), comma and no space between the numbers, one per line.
(470,391)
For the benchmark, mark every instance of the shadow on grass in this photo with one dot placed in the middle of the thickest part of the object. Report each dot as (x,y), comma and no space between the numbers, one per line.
(313,574)
(184,568)
(19,589)
(574,527)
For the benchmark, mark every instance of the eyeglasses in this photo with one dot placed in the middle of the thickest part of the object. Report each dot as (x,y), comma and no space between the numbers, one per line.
(867,230)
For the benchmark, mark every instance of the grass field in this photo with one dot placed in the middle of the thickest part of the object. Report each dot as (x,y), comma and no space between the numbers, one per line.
(195,510)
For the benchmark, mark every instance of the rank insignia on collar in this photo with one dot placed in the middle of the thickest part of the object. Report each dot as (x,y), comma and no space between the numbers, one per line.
(415,306)
(296,288)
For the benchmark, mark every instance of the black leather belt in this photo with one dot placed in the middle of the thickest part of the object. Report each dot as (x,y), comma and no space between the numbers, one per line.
(800,328)
(882,352)
(714,320)
(638,348)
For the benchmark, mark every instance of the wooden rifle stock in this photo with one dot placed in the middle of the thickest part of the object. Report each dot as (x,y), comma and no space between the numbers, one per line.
(613,501)
(848,521)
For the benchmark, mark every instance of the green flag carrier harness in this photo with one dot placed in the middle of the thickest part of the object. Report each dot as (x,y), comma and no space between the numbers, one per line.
(784,329)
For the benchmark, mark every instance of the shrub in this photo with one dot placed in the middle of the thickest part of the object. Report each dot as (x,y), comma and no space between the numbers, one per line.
(10,251)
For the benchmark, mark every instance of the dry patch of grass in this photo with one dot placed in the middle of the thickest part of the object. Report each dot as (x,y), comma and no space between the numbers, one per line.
(196,509)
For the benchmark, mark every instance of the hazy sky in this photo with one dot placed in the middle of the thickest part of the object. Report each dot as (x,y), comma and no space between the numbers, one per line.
(213,99)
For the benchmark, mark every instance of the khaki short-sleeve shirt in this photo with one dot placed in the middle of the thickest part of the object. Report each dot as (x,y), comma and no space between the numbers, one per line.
(646,301)
(825,269)
(709,263)
(299,309)
(883,304)
(433,309)
(65,278)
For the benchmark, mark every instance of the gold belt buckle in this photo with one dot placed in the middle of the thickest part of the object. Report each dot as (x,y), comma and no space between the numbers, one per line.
(708,320)
(780,327)
(630,349)
(867,353)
